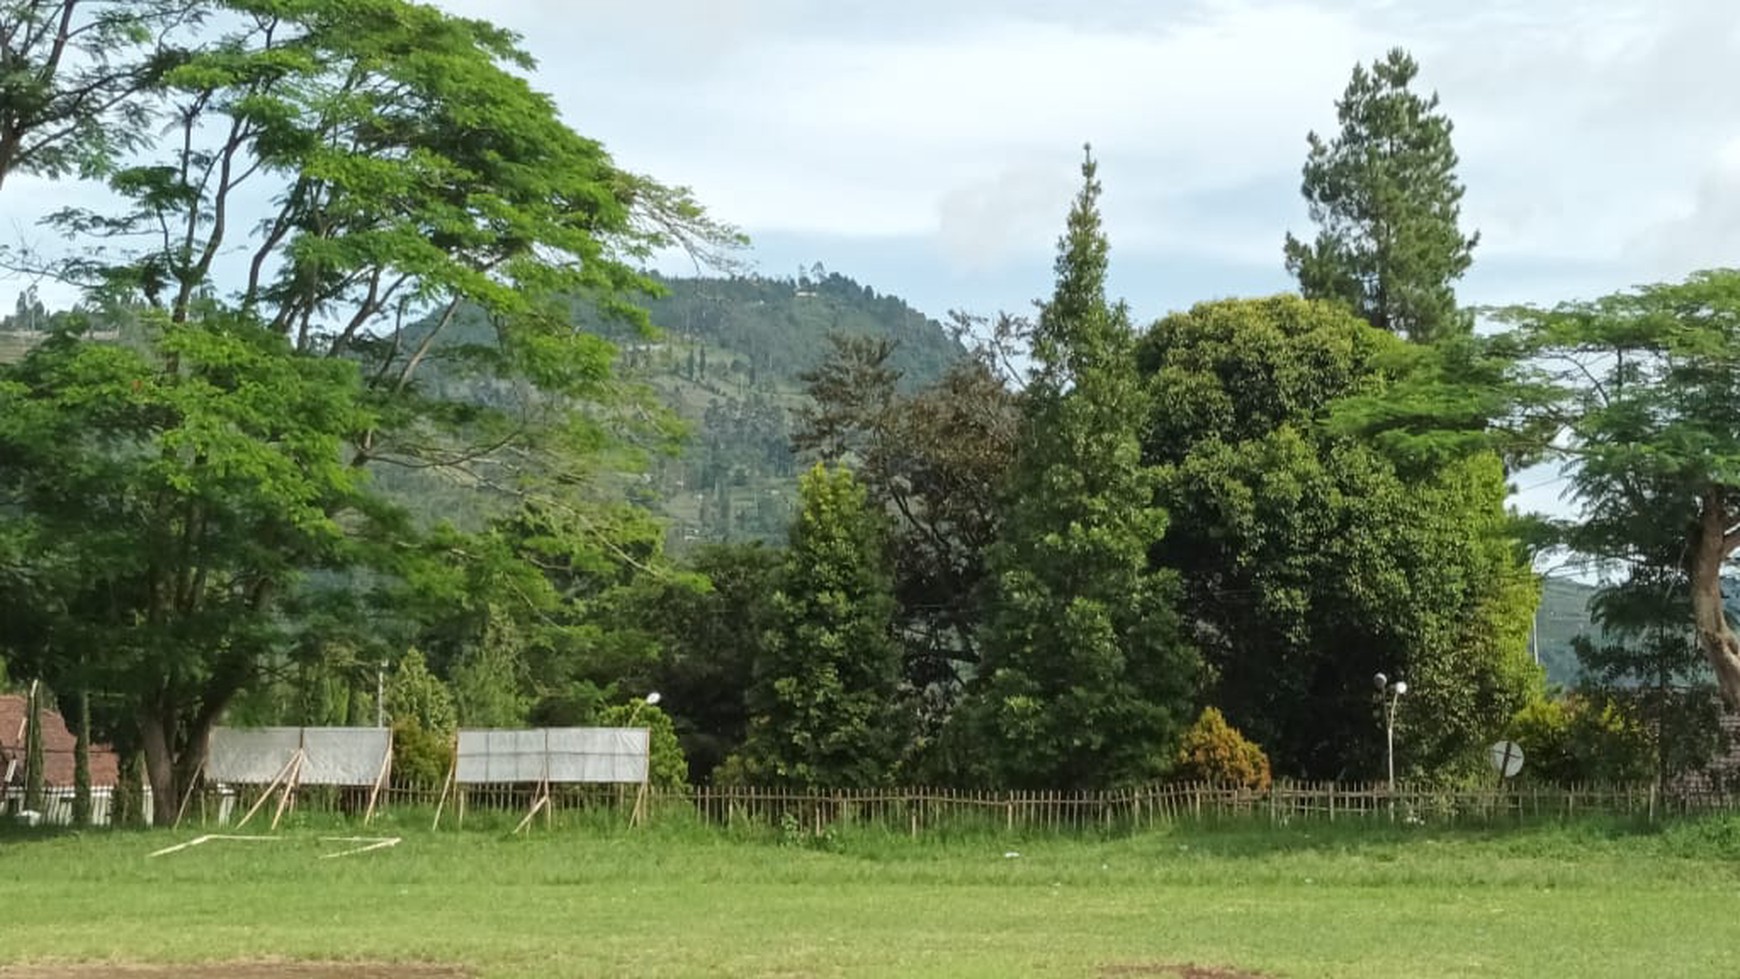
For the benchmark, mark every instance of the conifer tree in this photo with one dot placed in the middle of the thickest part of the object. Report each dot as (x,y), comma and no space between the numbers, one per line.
(823,705)
(1386,199)
(1086,680)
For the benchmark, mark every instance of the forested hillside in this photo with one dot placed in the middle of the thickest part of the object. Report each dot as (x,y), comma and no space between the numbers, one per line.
(728,360)
(724,359)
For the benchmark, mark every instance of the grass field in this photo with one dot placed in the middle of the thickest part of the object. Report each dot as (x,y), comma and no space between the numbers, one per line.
(1585,901)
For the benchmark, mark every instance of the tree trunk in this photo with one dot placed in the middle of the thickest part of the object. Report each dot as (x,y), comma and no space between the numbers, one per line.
(173,759)
(156,738)
(1711,549)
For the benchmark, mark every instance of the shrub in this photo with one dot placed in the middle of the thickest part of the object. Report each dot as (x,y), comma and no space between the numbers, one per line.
(1582,739)
(420,756)
(1214,751)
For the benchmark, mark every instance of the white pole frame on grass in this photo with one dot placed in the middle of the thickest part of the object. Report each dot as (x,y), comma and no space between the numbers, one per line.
(450,782)
(380,779)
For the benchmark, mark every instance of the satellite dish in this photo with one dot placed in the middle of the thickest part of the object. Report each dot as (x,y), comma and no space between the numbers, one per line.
(1506,758)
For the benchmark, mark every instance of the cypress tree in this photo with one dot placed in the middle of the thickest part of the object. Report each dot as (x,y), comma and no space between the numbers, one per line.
(81,813)
(33,762)
(823,705)
(1086,681)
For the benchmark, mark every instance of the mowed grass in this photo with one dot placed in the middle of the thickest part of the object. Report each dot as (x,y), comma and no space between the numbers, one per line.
(1584,900)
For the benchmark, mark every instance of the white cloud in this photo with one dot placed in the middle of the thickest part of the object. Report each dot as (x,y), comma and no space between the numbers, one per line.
(1580,126)
(1590,133)
(984,223)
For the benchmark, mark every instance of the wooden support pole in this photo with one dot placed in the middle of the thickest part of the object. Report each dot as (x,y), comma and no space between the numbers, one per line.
(188,795)
(289,789)
(446,784)
(380,779)
(282,772)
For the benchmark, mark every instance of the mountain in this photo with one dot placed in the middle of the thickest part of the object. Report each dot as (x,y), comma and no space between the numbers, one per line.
(1563,616)
(728,361)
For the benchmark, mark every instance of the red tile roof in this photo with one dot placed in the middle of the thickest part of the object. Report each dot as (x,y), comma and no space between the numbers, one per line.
(57,746)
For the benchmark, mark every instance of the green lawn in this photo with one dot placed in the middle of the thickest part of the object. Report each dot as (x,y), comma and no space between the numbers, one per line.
(1582,901)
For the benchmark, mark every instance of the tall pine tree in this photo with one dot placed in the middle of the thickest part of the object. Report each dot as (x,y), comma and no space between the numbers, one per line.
(1386,200)
(823,707)
(1086,680)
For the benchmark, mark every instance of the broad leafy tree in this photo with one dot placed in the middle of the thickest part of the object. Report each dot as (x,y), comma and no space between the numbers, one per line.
(824,707)
(1642,390)
(1310,560)
(710,634)
(358,246)
(1085,680)
(1386,200)
(173,499)
(74,76)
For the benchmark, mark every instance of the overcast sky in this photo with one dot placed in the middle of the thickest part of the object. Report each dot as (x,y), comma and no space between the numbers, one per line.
(929,147)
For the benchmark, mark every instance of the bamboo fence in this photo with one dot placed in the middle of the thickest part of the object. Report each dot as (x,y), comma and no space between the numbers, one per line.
(919,811)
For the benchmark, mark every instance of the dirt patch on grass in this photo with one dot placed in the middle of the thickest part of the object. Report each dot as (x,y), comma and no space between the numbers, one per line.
(238,970)
(1168,970)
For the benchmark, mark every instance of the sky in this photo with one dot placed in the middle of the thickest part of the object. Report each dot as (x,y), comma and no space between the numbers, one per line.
(930,148)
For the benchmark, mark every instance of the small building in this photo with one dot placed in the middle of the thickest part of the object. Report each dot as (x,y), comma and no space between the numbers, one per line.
(58,762)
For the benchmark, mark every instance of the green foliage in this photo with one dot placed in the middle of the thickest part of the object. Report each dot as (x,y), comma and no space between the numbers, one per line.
(416,695)
(730,360)
(170,499)
(1639,388)
(421,755)
(1311,561)
(1648,662)
(73,71)
(407,170)
(1215,751)
(486,681)
(33,760)
(822,709)
(1579,739)
(936,458)
(127,804)
(710,634)
(1086,679)
(1386,200)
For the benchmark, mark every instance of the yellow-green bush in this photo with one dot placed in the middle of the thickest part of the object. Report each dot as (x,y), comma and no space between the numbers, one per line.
(1215,751)
(1577,738)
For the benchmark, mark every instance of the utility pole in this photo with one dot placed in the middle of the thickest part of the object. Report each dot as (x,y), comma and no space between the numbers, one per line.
(381,695)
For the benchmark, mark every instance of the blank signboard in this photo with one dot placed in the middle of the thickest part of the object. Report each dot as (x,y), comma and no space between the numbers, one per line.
(562,755)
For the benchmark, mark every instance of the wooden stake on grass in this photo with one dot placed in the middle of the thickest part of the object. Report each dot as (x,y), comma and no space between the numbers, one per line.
(188,795)
(289,788)
(380,779)
(452,773)
(268,793)
(543,801)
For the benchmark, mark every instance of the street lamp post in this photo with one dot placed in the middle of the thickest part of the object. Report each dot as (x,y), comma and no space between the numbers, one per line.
(1389,693)
(650,700)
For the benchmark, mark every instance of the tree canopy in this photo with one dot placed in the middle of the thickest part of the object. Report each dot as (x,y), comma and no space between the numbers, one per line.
(1085,679)
(1310,561)
(1386,199)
